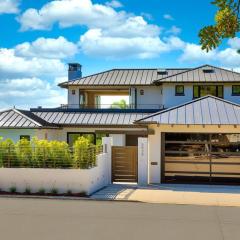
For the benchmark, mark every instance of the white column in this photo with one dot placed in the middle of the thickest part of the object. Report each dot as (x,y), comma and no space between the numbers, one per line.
(142,161)
(107,149)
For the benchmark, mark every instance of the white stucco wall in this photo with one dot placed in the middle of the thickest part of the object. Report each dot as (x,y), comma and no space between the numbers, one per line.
(154,142)
(15,134)
(170,100)
(151,98)
(76,180)
(73,99)
(228,94)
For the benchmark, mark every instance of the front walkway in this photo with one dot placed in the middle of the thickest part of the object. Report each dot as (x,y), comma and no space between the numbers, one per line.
(173,194)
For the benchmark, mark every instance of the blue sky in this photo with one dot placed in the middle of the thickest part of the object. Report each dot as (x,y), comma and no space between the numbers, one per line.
(40,37)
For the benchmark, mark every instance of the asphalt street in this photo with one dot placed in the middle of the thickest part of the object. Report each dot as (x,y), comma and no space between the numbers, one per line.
(47,219)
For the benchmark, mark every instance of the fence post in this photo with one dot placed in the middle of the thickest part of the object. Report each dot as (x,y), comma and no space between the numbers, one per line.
(143,161)
(9,156)
(107,150)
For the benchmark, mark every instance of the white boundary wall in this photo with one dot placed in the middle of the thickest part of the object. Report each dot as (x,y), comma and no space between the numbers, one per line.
(76,180)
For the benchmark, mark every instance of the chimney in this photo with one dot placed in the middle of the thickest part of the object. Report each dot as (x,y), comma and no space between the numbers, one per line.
(74,71)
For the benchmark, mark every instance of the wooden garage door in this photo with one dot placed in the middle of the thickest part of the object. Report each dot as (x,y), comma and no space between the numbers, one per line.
(124,164)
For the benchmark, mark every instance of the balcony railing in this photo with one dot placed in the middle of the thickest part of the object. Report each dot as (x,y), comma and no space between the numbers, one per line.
(113,106)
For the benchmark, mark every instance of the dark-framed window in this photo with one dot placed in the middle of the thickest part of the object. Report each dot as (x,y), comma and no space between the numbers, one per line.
(236,90)
(94,138)
(27,137)
(179,90)
(203,90)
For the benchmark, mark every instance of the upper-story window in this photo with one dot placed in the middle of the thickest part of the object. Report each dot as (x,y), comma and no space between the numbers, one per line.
(203,90)
(179,90)
(236,90)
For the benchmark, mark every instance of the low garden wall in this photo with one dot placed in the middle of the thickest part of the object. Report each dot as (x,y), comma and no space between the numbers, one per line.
(85,181)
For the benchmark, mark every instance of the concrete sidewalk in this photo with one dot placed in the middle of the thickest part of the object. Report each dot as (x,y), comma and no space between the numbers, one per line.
(173,194)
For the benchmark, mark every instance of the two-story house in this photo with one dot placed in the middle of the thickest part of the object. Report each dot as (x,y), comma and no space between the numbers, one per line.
(190,117)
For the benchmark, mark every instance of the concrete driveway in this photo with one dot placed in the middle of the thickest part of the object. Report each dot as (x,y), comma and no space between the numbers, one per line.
(209,195)
(36,219)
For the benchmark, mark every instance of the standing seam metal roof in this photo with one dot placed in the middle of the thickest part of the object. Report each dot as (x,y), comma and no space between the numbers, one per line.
(208,110)
(89,118)
(14,118)
(198,75)
(121,77)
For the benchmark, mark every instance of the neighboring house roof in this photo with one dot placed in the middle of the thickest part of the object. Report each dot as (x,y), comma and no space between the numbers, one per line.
(90,118)
(122,77)
(14,118)
(206,73)
(207,110)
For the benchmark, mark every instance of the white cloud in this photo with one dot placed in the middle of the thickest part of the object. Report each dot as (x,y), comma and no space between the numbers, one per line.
(228,57)
(95,43)
(114,4)
(12,66)
(71,12)
(133,27)
(174,30)
(234,43)
(47,48)
(9,6)
(168,17)
(193,52)
(29,92)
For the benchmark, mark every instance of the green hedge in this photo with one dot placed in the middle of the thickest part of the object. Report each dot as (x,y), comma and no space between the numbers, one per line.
(47,154)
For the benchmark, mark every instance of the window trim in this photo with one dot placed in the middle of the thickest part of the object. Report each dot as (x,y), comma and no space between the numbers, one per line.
(27,137)
(93,133)
(235,94)
(179,94)
(217,86)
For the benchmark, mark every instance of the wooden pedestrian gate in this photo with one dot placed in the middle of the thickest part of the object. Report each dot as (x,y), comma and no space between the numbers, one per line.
(124,164)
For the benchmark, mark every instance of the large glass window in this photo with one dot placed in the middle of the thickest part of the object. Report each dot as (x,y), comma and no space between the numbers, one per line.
(236,90)
(203,90)
(72,137)
(94,138)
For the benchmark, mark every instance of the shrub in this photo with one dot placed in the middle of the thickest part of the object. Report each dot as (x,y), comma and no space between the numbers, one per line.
(24,153)
(60,156)
(54,191)
(13,189)
(84,153)
(47,154)
(42,191)
(27,190)
(8,156)
(69,192)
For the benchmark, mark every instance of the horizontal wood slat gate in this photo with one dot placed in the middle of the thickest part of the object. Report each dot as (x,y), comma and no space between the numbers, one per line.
(124,164)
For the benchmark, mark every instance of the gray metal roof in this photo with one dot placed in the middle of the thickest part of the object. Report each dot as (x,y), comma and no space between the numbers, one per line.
(122,77)
(90,118)
(126,77)
(14,118)
(200,75)
(207,110)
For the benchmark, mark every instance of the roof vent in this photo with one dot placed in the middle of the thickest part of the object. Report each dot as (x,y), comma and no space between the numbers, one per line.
(208,70)
(162,72)
(39,107)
